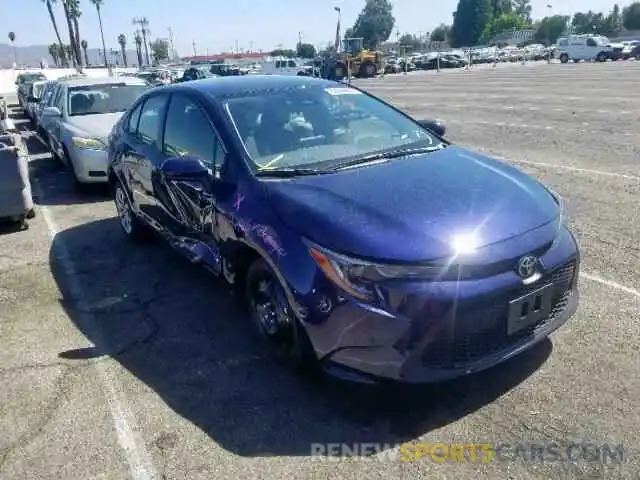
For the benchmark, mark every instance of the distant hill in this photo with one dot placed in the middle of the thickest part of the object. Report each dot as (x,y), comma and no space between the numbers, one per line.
(32,55)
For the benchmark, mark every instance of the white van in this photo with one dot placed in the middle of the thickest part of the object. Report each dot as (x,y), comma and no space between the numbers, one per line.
(584,47)
(284,66)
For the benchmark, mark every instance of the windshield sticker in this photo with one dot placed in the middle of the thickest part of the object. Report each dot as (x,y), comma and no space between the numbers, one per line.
(343,91)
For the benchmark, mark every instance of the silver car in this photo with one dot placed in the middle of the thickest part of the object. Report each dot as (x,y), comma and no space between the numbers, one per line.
(80,118)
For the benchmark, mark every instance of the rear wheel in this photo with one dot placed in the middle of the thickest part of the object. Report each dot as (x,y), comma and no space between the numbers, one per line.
(601,57)
(274,318)
(367,69)
(132,227)
(564,58)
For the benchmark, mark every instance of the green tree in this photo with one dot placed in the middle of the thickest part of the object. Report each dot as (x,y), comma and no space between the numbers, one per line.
(500,7)
(122,41)
(138,41)
(589,22)
(441,33)
(283,52)
(66,6)
(374,23)
(522,8)
(631,16)
(61,53)
(159,49)
(613,22)
(549,29)
(503,23)
(470,19)
(305,50)
(75,13)
(55,53)
(412,42)
(85,46)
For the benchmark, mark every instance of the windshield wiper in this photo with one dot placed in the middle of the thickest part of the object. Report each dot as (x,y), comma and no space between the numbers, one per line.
(288,172)
(387,155)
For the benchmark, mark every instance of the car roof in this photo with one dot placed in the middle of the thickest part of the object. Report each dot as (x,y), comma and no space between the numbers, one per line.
(237,85)
(89,81)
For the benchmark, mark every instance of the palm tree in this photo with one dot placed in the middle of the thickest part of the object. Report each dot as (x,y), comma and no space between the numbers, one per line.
(67,16)
(98,4)
(122,40)
(54,51)
(138,40)
(52,17)
(75,12)
(12,39)
(84,46)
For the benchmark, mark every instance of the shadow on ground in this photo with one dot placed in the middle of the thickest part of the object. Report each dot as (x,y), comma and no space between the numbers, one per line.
(179,331)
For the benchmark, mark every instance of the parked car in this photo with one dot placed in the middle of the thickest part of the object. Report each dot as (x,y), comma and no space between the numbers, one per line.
(80,118)
(360,241)
(23,80)
(43,101)
(33,93)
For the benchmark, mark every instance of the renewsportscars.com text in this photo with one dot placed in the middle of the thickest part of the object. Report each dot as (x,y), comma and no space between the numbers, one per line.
(473,452)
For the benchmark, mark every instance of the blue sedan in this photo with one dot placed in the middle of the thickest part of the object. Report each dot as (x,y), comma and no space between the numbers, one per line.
(360,240)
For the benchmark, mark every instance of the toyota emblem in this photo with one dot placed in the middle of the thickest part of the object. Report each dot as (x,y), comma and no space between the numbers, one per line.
(527,266)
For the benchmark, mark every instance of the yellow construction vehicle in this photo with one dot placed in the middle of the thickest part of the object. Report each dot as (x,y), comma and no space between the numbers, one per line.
(356,61)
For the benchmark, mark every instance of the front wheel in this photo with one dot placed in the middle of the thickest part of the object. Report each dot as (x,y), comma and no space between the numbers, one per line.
(602,57)
(564,58)
(274,318)
(132,227)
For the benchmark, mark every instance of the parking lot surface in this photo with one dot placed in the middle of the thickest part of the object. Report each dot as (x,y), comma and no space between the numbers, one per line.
(125,362)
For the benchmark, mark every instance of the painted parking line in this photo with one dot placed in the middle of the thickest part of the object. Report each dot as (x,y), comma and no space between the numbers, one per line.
(127,432)
(611,284)
(527,108)
(569,168)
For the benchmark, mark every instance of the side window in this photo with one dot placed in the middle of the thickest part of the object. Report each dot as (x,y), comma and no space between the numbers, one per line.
(591,42)
(279,64)
(151,117)
(562,42)
(292,64)
(132,122)
(60,98)
(189,132)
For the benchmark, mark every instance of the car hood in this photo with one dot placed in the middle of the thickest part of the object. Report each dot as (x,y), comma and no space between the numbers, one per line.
(98,126)
(411,209)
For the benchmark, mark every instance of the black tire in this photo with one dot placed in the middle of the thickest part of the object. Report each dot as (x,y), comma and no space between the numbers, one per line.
(131,225)
(339,71)
(367,69)
(274,319)
(31,214)
(564,58)
(77,184)
(601,57)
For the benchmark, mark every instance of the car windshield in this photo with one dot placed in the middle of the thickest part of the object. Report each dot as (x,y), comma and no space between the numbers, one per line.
(30,77)
(103,98)
(318,127)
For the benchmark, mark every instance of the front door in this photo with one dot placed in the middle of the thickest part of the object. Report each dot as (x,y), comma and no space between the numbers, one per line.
(189,204)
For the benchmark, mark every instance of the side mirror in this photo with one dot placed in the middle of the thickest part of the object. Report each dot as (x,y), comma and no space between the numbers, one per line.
(176,168)
(51,112)
(434,126)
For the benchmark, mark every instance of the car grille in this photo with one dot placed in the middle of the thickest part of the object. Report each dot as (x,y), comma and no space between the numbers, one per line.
(478,331)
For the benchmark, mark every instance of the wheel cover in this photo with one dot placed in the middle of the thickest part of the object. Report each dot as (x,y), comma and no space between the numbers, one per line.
(272,313)
(124,212)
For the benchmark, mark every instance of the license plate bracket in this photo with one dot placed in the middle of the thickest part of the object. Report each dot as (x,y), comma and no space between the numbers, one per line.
(529,309)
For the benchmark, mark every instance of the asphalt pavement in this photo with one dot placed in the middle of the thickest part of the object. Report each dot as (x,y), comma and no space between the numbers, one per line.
(123,362)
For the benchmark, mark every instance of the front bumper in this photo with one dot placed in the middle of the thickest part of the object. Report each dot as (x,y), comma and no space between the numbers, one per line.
(438,332)
(90,166)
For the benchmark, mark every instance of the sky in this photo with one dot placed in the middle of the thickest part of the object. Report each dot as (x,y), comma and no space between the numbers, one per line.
(216,26)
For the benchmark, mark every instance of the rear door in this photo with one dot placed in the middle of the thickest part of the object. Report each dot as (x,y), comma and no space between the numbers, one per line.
(145,154)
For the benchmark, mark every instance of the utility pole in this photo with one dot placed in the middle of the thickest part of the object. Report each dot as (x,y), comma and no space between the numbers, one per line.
(173,49)
(193,44)
(237,49)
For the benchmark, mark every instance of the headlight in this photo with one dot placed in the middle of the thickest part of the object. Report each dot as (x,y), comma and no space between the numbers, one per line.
(88,143)
(356,277)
